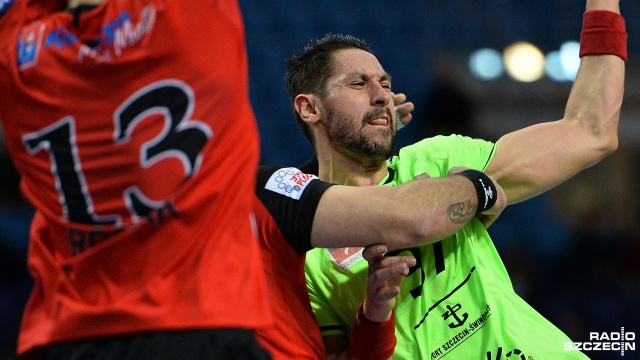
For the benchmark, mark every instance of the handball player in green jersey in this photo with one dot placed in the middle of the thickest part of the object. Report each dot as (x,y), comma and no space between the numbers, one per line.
(458,302)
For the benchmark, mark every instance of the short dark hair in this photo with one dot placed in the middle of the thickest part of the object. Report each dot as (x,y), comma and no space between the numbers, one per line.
(308,70)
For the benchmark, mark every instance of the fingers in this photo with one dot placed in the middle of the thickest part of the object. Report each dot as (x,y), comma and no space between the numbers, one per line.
(372,252)
(385,275)
(385,267)
(399,98)
(390,266)
(389,270)
(403,109)
(381,299)
(404,113)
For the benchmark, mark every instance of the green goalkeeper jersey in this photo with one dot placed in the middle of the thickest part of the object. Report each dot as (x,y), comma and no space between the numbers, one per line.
(458,301)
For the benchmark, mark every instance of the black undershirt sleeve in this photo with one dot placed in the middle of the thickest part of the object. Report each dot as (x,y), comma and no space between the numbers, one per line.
(310,167)
(294,217)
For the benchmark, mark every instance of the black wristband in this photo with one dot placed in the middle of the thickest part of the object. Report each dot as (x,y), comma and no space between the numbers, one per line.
(485,189)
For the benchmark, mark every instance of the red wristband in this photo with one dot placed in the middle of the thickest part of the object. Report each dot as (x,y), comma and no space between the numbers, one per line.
(603,33)
(372,340)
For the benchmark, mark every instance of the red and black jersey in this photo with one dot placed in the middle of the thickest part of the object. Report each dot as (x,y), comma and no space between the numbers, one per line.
(285,205)
(131,127)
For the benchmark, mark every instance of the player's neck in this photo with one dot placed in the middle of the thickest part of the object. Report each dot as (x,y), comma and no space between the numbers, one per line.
(339,168)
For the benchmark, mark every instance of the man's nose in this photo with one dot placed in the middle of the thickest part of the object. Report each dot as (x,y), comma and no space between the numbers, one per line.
(380,96)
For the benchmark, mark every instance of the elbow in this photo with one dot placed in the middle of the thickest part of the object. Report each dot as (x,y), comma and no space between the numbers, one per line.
(599,152)
(603,135)
(610,146)
(406,234)
(605,146)
(424,231)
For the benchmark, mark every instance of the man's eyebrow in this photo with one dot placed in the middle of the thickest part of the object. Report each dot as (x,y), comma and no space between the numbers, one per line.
(367,77)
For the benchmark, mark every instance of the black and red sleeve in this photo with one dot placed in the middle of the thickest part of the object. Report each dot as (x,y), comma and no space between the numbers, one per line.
(291,197)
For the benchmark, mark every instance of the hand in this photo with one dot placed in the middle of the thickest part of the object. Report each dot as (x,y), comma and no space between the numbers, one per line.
(403,109)
(488,216)
(385,275)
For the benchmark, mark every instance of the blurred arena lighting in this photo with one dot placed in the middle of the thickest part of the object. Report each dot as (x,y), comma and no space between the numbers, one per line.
(524,61)
(570,59)
(486,64)
(563,65)
(553,67)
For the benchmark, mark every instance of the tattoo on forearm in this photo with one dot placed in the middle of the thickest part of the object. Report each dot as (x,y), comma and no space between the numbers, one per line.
(461,212)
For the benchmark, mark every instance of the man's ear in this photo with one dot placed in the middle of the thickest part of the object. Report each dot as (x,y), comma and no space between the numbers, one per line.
(306,106)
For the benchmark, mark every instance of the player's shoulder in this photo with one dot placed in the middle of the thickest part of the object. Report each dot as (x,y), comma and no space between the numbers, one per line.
(442,147)
(441,141)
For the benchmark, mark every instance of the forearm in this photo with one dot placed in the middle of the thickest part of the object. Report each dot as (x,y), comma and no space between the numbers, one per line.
(408,215)
(594,104)
(596,96)
(609,5)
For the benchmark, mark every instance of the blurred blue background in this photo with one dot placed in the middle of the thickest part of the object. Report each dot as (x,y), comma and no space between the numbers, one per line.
(572,252)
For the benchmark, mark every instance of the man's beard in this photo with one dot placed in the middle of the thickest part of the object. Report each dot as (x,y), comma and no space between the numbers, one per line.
(352,139)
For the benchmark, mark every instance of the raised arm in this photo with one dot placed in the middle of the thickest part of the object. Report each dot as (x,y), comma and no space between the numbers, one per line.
(532,160)
(420,212)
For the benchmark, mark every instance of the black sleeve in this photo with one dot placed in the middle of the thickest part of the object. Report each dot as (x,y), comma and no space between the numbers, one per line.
(311,166)
(291,197)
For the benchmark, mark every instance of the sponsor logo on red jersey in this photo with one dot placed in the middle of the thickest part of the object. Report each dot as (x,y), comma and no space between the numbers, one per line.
(29,43)
(115,37)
